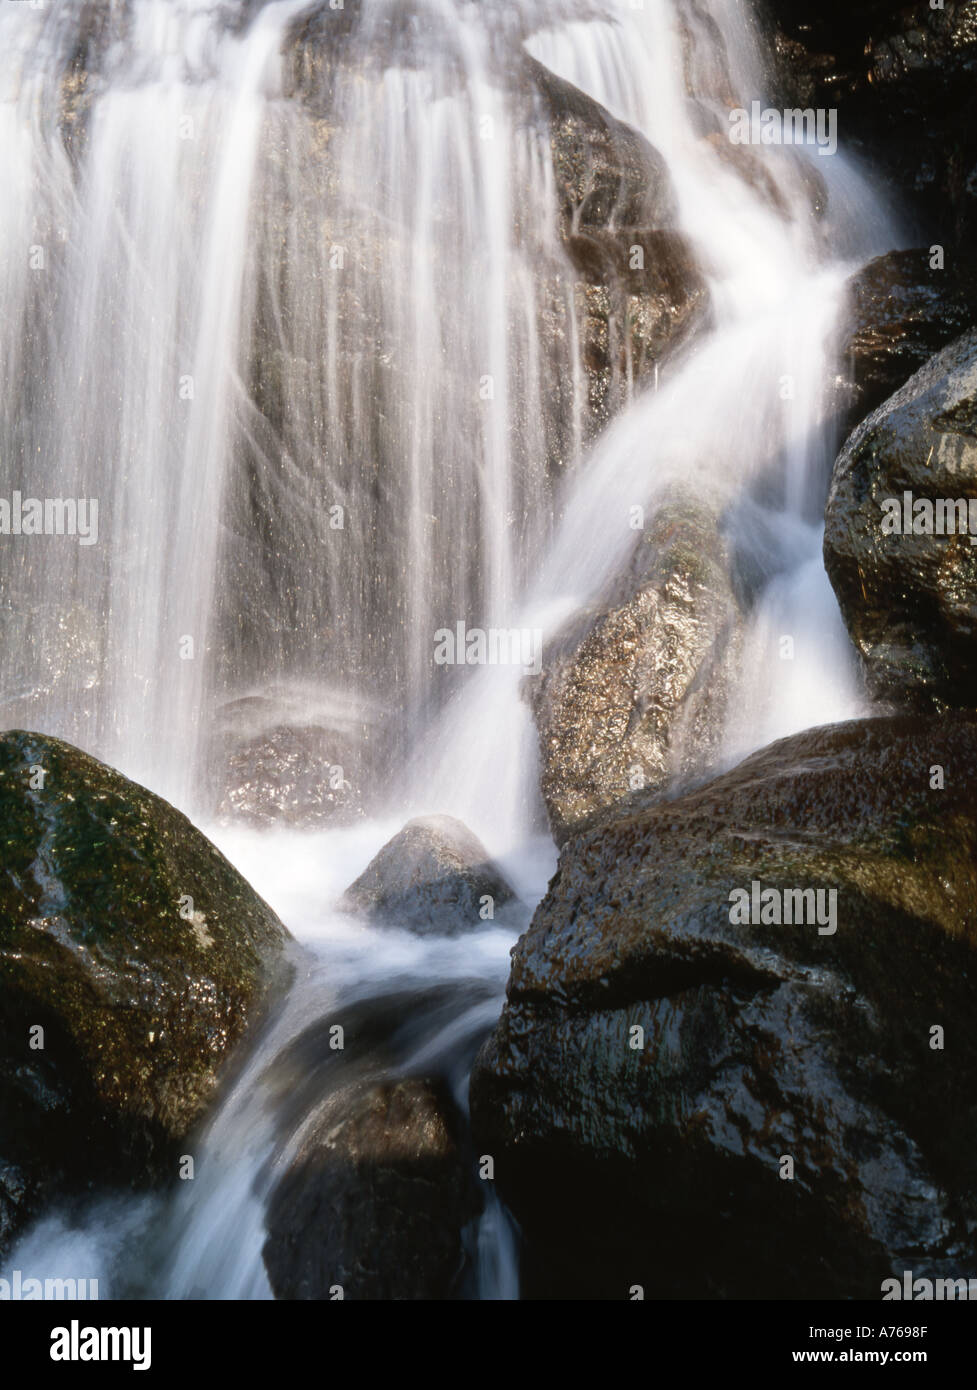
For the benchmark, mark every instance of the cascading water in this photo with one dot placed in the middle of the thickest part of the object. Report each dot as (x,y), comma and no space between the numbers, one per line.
(321,422)
(122,351)
(742,424)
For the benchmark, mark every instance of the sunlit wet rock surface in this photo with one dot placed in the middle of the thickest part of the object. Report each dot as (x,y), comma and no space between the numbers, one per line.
(433,876)
(634,694)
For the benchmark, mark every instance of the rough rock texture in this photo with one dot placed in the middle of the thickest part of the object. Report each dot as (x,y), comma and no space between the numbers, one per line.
(375,1198)
(640,294)
(139,1005)
(910,601)
(901,312)
(296,776)
(660,1164)
(607,174)
(431,877)
(639,298)
(633,693)
(902,80)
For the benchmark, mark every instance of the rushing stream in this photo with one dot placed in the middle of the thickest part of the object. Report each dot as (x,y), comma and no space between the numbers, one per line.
(395,449)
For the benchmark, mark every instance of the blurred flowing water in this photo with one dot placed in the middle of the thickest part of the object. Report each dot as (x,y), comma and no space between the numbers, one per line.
(322,421)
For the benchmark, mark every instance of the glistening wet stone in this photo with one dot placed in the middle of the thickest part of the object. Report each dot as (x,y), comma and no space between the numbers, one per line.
(657,1157)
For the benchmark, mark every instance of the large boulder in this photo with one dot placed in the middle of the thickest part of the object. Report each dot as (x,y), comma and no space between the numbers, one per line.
(132,958)
(433,876)
(908,592)
(602,289)
(634,691)
(707,1084)
(375,1198)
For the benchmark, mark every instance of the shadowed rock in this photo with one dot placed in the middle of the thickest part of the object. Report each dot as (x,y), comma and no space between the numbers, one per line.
(375,1199)
(901,311)
(756,1040)
(901,78)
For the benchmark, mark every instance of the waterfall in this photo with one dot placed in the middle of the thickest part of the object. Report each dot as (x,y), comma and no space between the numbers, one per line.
(272,294)
(123,349)
(741,423)
(283,328)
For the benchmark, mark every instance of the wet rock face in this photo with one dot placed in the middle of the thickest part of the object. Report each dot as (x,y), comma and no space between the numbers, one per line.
(49,650)
(902,311)
(633,694)
(640,294)
(608,290)
(607,174)
(433,876)
(140,953)
(902,80)
(639,298)
(295,776)
(909,594)
(375,1199)
(759,1040)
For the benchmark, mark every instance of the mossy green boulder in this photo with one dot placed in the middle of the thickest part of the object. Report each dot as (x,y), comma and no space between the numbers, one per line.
(132,958)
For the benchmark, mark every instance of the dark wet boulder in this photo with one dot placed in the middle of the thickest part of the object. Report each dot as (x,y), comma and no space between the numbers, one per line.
(901,311)
(132,958)
(375,1199)
(433,876)
(747,975)
(896,544)
(633,692)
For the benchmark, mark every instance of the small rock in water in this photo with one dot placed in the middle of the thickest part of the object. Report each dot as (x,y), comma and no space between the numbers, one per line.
(433,876)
